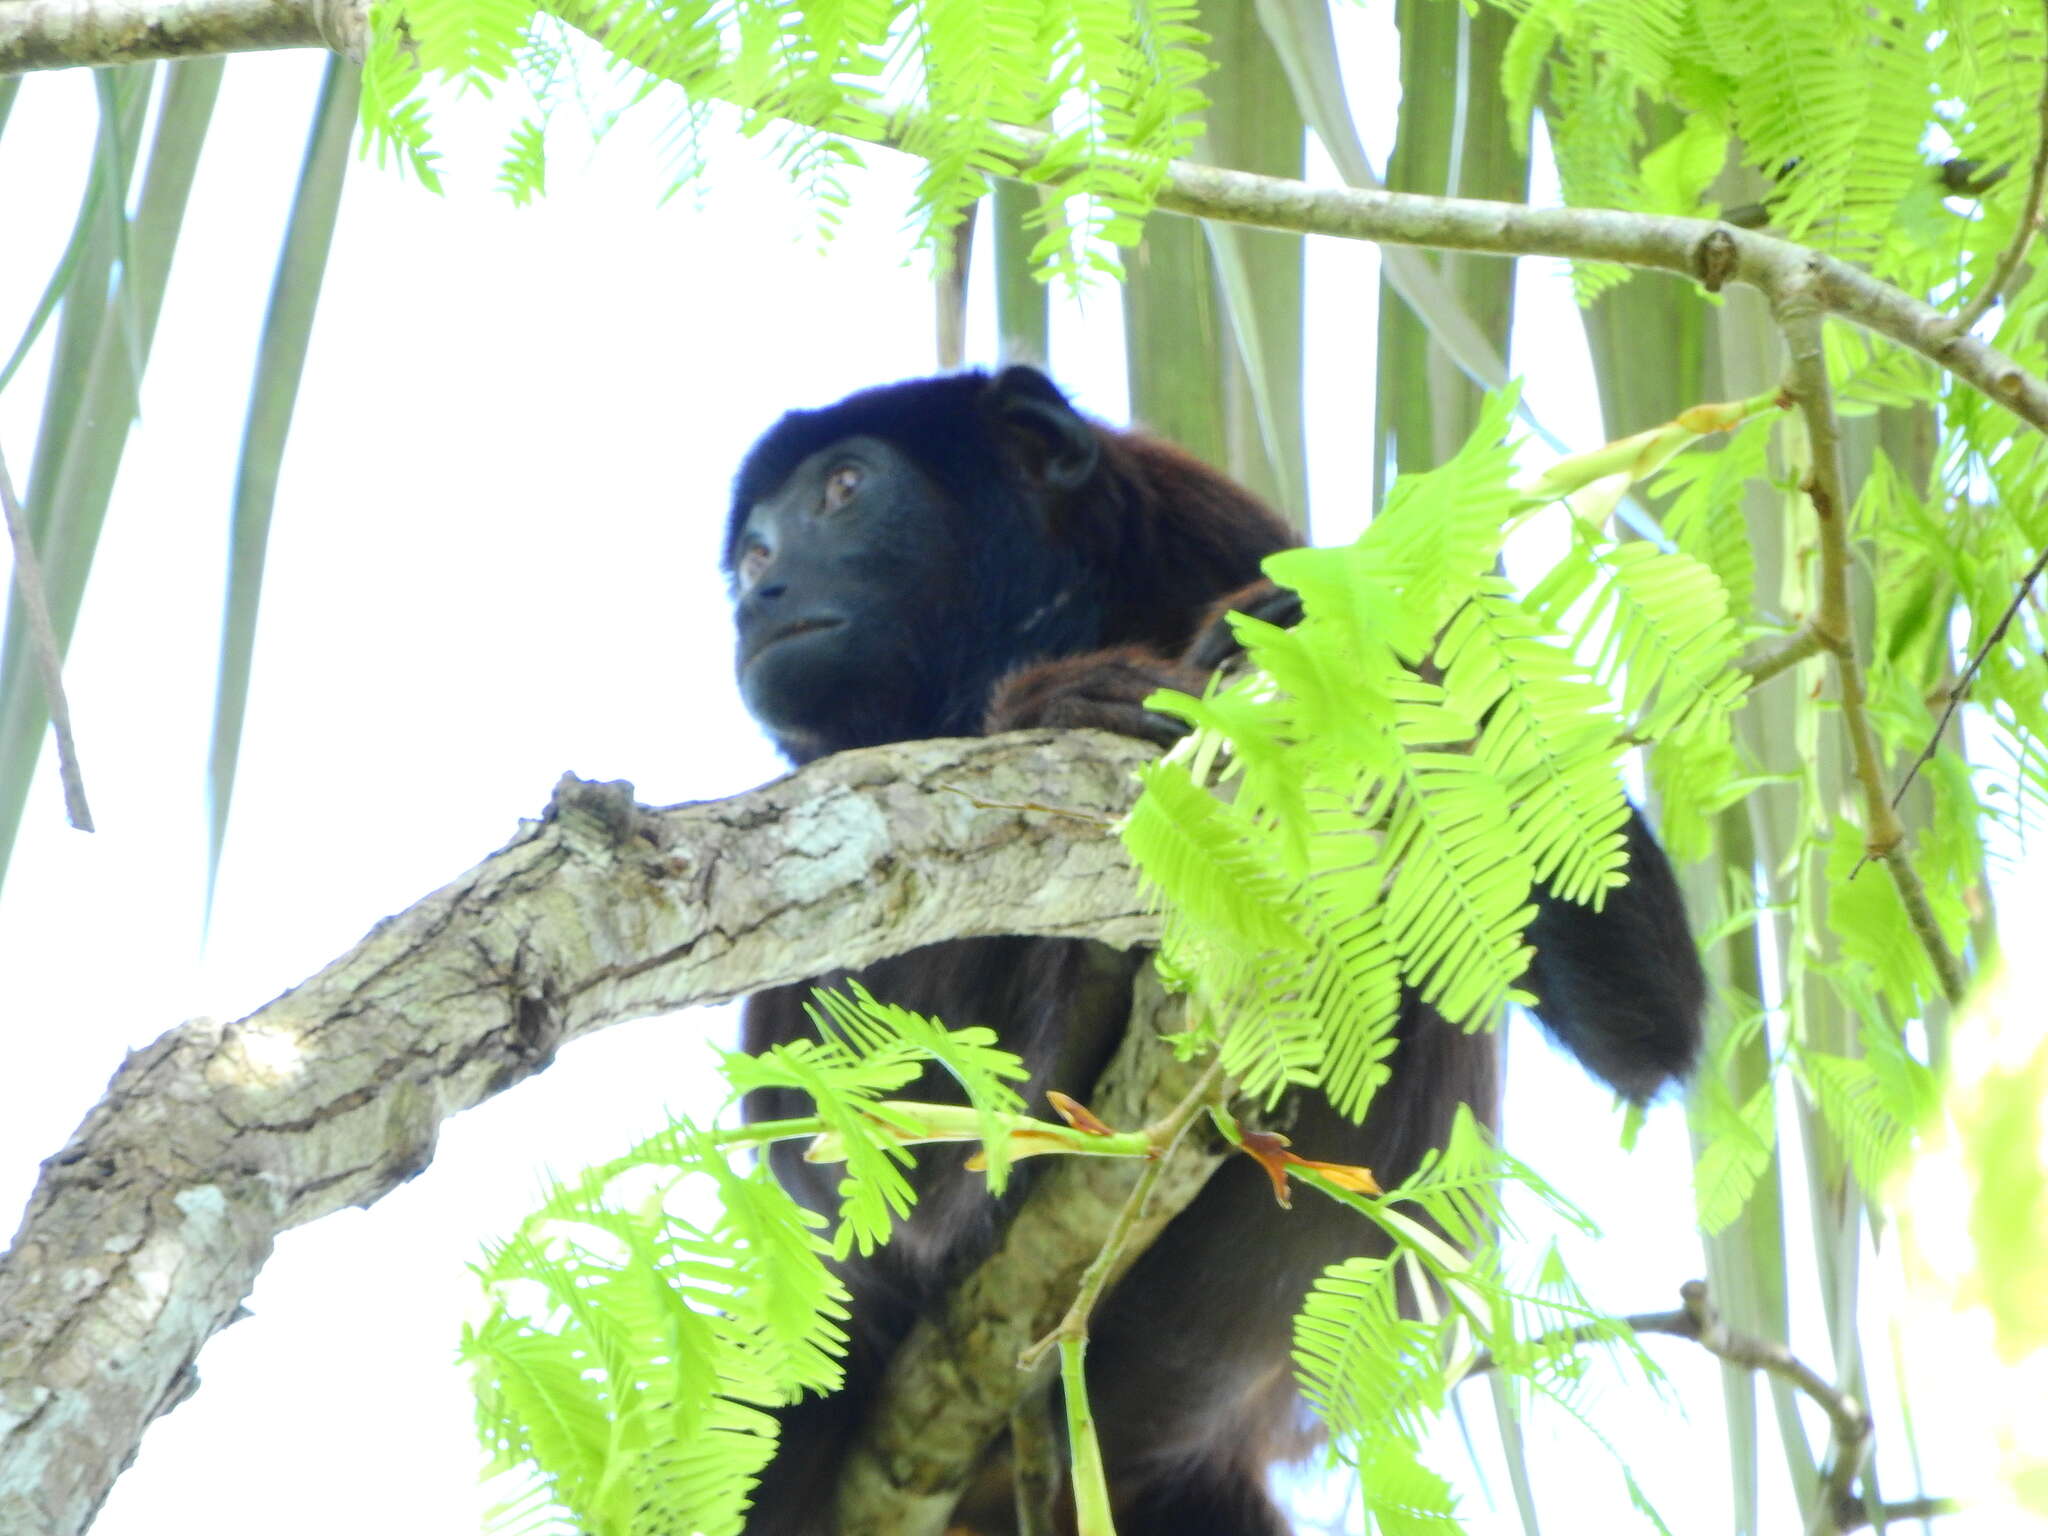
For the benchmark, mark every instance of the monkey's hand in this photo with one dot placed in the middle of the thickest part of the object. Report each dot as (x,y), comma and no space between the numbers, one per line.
(1105,690)
(1215,644)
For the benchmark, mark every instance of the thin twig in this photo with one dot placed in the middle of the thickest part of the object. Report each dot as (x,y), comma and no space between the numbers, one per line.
(1961,690)
(1801,647)
(1800,316)
(1679,1325)
(2023,232)
(1084,1451)
(42,639)
(1855,1516)
(1698,1321)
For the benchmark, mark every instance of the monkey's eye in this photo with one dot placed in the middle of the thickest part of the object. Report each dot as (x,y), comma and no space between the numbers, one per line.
(753,561)
(840,485)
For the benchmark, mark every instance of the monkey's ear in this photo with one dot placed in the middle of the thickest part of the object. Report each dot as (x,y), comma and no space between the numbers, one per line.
(1057,444)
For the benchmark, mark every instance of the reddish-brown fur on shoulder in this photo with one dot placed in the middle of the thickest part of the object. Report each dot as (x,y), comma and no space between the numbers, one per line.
(1103,690)
(1183,534)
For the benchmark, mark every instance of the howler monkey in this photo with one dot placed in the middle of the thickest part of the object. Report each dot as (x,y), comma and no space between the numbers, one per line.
(963,554)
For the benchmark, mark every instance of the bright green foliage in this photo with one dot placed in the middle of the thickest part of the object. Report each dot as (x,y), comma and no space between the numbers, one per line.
(1837,106)
(872,1031)
(1408,761)
(946,79)
(1655,630)
(1887,965)
(1548,740)
(645,1316)
(1737,1138)
(1873,1102)
(866,1051)
(622,1372)
(1658,628)
(1702,498)
(1379,1376)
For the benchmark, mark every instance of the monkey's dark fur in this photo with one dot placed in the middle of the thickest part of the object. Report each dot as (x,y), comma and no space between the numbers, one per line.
(964,554)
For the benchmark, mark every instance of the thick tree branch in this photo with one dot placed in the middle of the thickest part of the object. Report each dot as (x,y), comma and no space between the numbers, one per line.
(147,1230)
(57,34)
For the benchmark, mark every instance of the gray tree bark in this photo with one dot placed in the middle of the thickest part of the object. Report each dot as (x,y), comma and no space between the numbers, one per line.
(147,1230)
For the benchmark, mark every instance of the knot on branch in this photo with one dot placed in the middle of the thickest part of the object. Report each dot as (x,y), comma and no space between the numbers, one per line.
(595,815)
(1714,258)
(344,26)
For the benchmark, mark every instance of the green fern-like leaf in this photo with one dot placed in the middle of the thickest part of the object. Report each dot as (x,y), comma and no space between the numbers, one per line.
(631,1347)
(1118,85)
(1548,737)
(1988,56)
(846,1092)
(1440,530)
(1706,519)
(1869,920)
(1204,858)
(1350,996)
(523,172)
(1738,1143)
(1373,1374)
(1459,897)
(970,1056)
(1595,132)
(1665,643)
(1460,1186)
(395,121)
(1874,1103)
(473,40)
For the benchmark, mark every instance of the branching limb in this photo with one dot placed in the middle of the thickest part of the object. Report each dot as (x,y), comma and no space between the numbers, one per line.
(2023,232)
(1848,1420)
(60,34)
(1697,1320)
(146,1232)
(1800,315)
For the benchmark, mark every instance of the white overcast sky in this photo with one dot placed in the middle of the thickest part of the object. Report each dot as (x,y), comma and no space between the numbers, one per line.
(493,560)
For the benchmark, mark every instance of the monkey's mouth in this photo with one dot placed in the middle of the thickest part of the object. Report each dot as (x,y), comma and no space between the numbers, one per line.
(792,630)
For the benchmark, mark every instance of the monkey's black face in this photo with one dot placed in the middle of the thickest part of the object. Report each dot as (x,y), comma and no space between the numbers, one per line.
(839,576)
(895,555)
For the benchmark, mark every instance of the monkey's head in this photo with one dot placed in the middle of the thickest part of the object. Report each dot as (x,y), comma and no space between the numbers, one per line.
(892,555)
